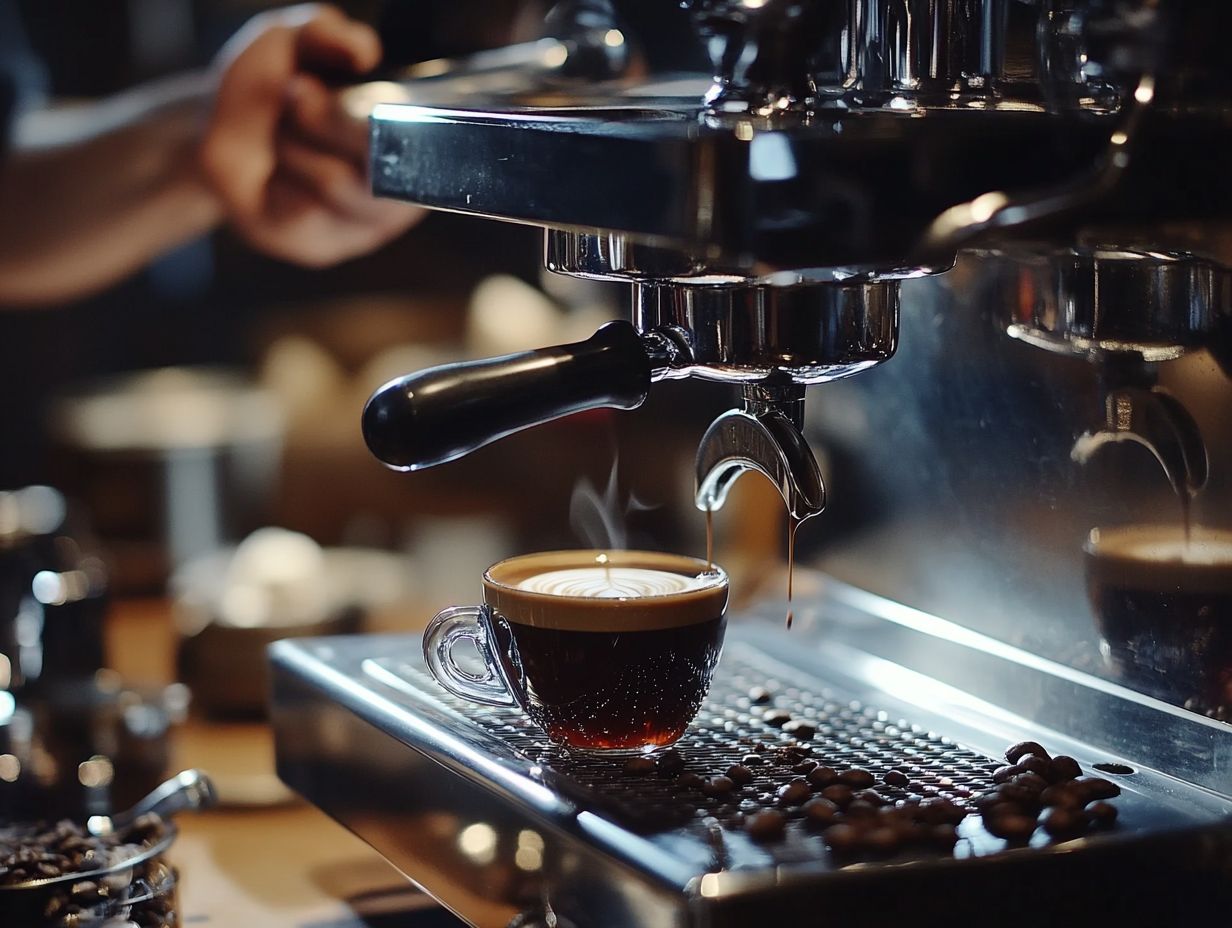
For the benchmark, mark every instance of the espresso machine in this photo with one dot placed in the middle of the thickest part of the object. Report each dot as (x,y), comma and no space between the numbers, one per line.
(992,236)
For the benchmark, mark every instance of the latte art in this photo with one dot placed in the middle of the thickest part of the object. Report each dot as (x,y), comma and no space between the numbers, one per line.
(612,582)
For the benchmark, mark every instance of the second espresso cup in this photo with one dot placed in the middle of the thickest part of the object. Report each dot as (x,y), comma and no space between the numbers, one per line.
(607,651)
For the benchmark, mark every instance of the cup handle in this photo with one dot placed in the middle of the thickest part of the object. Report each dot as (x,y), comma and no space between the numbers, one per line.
(465,623)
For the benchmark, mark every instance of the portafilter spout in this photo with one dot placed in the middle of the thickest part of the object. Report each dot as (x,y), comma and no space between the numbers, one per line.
(765,436)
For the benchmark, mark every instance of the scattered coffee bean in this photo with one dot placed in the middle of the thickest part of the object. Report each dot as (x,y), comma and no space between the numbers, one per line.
(1061,822)
(857,778)
(1031,781)
(843,838)
(871,796)
(940,811)
(1023,748)
(639,766)
(800,729)
(1020,795)
(1064,768)
(820,813)
(767,825)
(821,777)
(860,809)
(1097,788)
(882,839)
(942,836)
(759,695)
(795,793)
(670,763)
(752,760)
(689,780)
(804,767)
(777,717)
(740,774)
(1006,773)
(1064,795)
(1102,814)
(719,786)
(839,794)
(1036,764)
(896,778)
(1010,825)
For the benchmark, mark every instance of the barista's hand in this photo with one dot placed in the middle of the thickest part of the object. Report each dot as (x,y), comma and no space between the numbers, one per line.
(287,162)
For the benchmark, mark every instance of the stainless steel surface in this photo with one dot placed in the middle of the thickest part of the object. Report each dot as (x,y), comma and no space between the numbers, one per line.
(764,437)
(974,465)
(473,803)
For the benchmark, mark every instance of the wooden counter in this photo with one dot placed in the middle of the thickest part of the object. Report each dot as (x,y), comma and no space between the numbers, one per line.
(264,858)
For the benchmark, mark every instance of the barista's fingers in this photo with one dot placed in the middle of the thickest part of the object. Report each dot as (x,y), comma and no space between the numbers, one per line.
(330,40)
(336,182)
(320,115)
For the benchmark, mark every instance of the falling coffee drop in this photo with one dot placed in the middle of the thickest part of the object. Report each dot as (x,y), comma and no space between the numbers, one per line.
(793,525)
(710,539)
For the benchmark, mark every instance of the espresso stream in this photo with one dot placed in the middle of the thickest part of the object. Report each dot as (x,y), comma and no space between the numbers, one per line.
(792,527)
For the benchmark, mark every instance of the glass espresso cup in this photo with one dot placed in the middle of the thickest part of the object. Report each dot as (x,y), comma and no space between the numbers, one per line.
(606,651)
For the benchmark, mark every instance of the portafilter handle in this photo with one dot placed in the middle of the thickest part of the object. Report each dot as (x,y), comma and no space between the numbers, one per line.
(445,412)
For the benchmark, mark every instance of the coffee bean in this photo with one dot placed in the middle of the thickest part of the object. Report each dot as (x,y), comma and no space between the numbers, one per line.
(795,793)
(639,766)
(1097,788)
(767,825)
(1102,814)
(777,717)
(1064,795)
(1023,748)
(940,811)
(740,774)
(882,840)
(1061,822)
(800,729)
(752,760)
(860,809)
(871,796)
(896,778)
(821,777)
(942,836)
(839,794)
(759,695)
(1031,781)
(719,786)
(1064,768)
(1010,825)
(1036,764)
(820,813)
(805,766)
(843,838)
(1022,795)
(857,778)
(1006,773)
(670,763)
(689,780)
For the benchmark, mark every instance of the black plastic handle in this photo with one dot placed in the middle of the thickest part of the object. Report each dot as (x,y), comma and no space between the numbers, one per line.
(442,413)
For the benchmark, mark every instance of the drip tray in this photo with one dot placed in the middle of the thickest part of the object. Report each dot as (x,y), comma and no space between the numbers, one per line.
(475,806)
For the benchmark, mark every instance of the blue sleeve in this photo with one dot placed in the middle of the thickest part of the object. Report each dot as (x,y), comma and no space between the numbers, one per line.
(22,78)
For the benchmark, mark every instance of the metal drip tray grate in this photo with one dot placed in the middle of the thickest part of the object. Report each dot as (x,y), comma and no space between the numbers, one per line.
(742,722)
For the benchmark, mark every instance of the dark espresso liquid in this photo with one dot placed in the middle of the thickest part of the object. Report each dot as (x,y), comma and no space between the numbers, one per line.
(652,682)
(1162,600)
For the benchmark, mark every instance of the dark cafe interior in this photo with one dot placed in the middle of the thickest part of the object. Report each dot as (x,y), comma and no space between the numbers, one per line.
(600,463)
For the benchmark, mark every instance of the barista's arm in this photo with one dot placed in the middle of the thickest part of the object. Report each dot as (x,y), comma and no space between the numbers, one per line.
(88,196)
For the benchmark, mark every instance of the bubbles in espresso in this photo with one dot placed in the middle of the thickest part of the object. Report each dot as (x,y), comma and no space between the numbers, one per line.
(610,582)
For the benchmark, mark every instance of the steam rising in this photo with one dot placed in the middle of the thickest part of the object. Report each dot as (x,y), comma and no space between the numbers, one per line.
(599,519)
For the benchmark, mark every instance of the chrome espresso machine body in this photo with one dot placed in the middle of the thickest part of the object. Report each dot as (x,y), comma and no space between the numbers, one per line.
(1010,220)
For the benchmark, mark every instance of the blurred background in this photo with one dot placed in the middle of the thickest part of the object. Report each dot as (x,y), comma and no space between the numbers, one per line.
(183,477)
